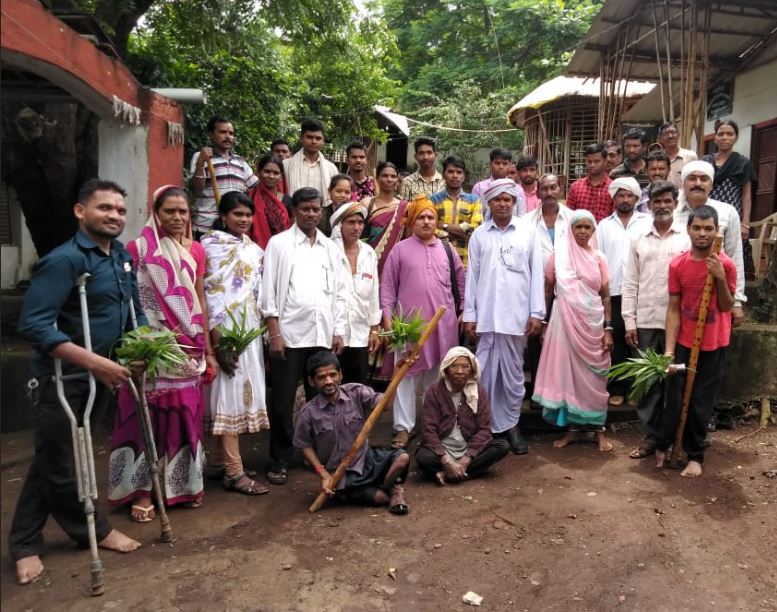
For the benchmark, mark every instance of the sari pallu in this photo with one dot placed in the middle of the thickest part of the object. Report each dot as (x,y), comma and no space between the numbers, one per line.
(383,229)
(232,282)
(270,216)
(167,274)
(571,384)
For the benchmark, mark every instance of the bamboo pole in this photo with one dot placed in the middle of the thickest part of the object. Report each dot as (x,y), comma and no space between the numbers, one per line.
(658,63)
(693,360)
(214,183)
(387,397)
(669,56)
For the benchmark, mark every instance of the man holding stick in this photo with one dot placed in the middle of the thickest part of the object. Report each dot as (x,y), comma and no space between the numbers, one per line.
(50,488)
(688,274)
(326,429)
(230,171)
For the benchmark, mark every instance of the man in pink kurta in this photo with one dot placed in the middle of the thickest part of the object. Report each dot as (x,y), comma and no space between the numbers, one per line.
(417,276)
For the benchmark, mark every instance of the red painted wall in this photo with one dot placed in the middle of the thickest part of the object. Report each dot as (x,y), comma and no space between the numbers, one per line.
(29,29)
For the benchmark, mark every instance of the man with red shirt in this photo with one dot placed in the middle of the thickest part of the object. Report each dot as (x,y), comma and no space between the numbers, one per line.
(687,276)
(590,192)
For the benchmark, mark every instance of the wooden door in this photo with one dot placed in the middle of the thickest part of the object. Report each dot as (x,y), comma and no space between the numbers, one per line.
(764,157)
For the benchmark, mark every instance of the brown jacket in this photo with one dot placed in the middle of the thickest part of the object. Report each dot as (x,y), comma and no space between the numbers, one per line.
(439,416)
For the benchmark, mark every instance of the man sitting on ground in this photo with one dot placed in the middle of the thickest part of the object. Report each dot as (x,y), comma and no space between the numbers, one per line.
(457,441)
(326,429)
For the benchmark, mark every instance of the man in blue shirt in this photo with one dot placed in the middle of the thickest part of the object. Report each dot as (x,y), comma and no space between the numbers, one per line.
(50,487)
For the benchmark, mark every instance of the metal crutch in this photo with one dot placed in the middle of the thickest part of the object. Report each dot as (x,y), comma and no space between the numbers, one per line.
(137,385)
(82,442)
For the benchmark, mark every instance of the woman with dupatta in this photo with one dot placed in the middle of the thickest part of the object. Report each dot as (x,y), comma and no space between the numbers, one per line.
(271,214)
(170,270)
(571,383)
(232,283)
(385,214)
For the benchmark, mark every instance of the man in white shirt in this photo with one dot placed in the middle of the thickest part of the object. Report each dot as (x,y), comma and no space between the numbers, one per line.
(697,177)
(303,303)
(645,295)
(309,168)
(551,220)
(669,137)
(232,174)
(505,303)
(613,239)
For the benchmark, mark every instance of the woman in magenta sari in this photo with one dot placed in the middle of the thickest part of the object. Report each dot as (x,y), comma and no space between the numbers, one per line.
(170,269)
(271,215)
(571,384)
(385,214)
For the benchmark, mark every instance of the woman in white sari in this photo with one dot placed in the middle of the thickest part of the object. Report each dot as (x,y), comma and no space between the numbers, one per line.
(232,283)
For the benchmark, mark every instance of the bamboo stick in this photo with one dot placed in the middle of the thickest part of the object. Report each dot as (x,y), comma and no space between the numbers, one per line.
(693,360)
(669,56)
(658,63)
(387,397)
(214,183)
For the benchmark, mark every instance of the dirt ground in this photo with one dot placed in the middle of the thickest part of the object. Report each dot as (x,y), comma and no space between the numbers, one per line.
(558,529)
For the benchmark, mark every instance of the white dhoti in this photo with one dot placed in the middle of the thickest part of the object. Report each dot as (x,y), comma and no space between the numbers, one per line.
(501,361)
(410,393)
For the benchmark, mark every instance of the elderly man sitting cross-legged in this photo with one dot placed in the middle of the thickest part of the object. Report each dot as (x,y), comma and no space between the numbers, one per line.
(457,442)
(326,429)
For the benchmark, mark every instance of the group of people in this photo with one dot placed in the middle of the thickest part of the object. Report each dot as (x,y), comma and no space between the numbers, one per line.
(326,262)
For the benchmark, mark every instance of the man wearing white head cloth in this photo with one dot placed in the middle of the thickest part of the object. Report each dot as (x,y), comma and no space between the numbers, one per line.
(697,179)
(505,303)
(362,299)
(614,236)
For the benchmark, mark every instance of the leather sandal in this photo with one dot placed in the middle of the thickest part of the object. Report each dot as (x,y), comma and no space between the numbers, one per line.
(242,483)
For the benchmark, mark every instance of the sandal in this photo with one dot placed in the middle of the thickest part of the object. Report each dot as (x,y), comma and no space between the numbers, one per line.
(401,439)
(642,451)
(242,483)
(142,514)
(217,472)
(278,474)
(397,503)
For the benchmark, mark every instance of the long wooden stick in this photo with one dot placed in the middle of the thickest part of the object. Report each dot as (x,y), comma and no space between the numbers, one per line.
(387,397)
(693,360)
(213,182)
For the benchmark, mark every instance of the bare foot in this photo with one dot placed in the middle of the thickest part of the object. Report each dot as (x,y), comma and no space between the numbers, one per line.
(660,458)
(692,470)
(604,444)
(117,541)
(28,569)
(439,478)
(568,438)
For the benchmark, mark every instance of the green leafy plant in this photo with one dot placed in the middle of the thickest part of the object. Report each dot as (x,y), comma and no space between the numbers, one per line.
(157,350)
(237,338)
(646,370)
(405,330)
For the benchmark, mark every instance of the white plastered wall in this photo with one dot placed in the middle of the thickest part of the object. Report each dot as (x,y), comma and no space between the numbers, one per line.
(123,158)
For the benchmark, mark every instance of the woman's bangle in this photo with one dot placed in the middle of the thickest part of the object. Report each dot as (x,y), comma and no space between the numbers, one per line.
(745,225)
(374,331)
(609,329)
(320,469)
(544,321)
(608,324)
(210,352)
(278,335)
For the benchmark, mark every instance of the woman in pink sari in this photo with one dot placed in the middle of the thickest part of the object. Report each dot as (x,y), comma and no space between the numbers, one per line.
(170,269)
(385,214)
(571,384)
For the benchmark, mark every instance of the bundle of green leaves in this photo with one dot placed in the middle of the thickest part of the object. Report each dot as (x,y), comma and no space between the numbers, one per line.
(646,370)
(157,350)
(237,338)
(405,330)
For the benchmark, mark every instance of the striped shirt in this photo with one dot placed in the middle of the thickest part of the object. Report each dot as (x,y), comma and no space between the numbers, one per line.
(232,174)
(468,210)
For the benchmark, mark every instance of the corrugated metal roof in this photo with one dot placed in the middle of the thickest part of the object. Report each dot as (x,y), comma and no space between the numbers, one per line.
(563,87)
(740,31)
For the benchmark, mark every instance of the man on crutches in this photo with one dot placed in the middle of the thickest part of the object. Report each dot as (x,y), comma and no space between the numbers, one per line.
(52,322)
(698,341)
